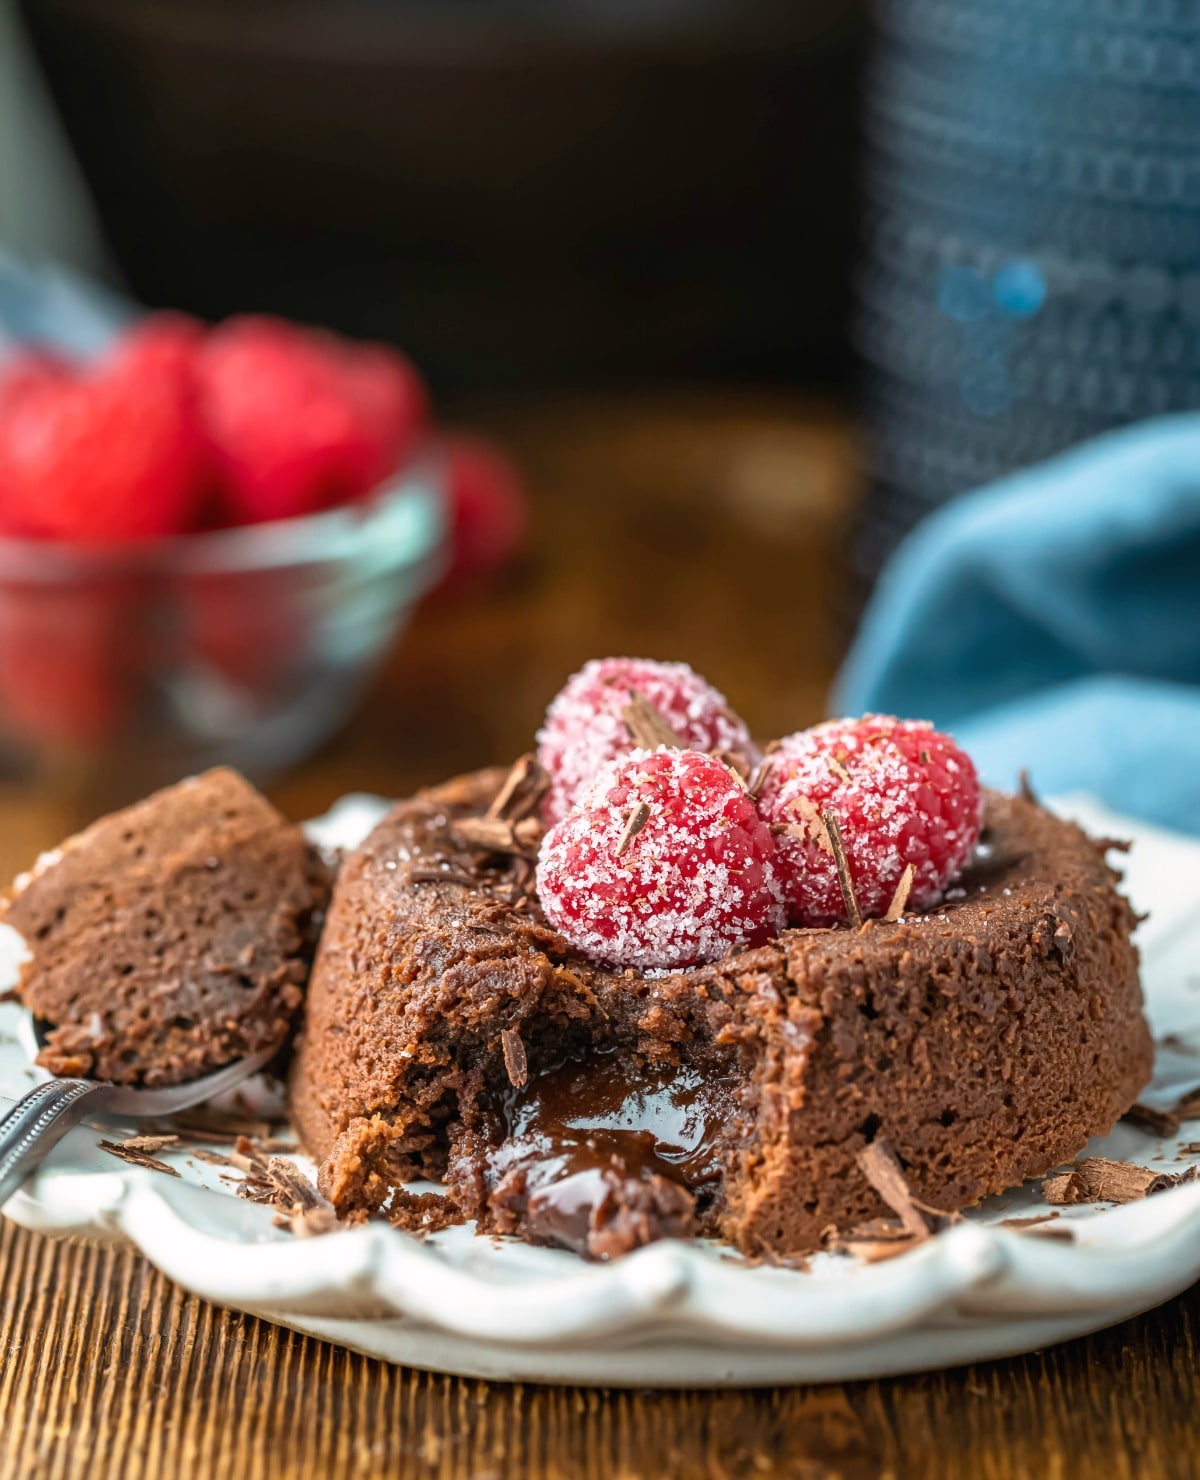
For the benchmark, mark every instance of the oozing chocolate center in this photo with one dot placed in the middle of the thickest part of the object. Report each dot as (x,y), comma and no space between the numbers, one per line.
(601,1152)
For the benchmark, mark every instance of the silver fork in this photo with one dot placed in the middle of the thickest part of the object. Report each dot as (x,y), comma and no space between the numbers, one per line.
(40,1119)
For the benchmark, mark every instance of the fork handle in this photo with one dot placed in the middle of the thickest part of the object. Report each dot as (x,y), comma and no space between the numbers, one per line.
(37,1122)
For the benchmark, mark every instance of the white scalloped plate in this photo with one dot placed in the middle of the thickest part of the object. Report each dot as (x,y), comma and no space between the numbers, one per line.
(674,1315)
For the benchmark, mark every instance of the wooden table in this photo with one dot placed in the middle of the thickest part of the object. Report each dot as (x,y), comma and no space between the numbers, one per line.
(701,527)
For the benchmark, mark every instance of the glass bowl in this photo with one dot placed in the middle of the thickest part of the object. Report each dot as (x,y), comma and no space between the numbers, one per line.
(245,647)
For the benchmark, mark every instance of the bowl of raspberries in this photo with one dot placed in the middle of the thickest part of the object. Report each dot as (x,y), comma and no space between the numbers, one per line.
(210,535)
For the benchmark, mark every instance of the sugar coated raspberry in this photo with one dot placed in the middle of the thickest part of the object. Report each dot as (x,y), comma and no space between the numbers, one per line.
(902,793)
(665,863)
(585,727)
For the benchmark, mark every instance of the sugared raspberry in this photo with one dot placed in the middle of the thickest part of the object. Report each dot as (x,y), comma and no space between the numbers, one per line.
(665,863)
(902,793)
(585,727)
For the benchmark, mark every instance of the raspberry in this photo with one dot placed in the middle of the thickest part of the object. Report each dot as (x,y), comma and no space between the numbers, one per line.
(100,456)
(489,508)
(902,793)
(29,369)
(68,657)
(300,420)
(665,863)
(584,727)
(390,400)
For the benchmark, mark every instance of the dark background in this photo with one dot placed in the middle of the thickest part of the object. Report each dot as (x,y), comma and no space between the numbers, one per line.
(523,195)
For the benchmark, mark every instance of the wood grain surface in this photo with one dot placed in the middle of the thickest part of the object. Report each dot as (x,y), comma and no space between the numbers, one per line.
(702,528)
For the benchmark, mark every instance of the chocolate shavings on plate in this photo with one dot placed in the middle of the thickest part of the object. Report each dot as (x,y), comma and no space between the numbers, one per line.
(1042,1225)
(1098,1179)
(206,1124)
(139,1158)
(213,1158)
(1157,1122)
(278,1183)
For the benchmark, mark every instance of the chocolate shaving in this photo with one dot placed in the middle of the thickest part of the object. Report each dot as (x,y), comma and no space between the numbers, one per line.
(882,1170)
(900,898)
(1040,1226)
(206,1124)
(834,828)
(1157,1122)
(1026,787)
(137,1158)
(274,1145)
(638,819)
(1188,1106)
(648,727)
(292,1185)
(838,767)
(1098,1179)
(441,876)
(515,1062)
(247,1159)
(811,828)
(148,1143)
(213,1158)
(758,776)
(275,1181)
(1190,1148)
(308,1222)
(733,761)
(521,793)
(874,1249)
(1061,1231)
(495,835)
(255,1190)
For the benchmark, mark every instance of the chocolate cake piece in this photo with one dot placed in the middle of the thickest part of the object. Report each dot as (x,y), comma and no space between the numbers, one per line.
(172,937)
(451,1033)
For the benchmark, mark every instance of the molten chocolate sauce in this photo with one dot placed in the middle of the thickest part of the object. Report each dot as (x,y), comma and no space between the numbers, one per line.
(599,1142)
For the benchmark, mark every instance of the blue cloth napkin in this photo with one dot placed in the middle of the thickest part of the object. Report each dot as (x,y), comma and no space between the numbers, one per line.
(1051,621)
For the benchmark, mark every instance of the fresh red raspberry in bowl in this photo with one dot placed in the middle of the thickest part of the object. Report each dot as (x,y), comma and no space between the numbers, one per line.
(99,454)
(585,725)
(665,863)
(299,420)
(902,792)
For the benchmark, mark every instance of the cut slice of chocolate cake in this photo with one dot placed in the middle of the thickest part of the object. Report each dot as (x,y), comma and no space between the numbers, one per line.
(172,937)
(450,1032)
